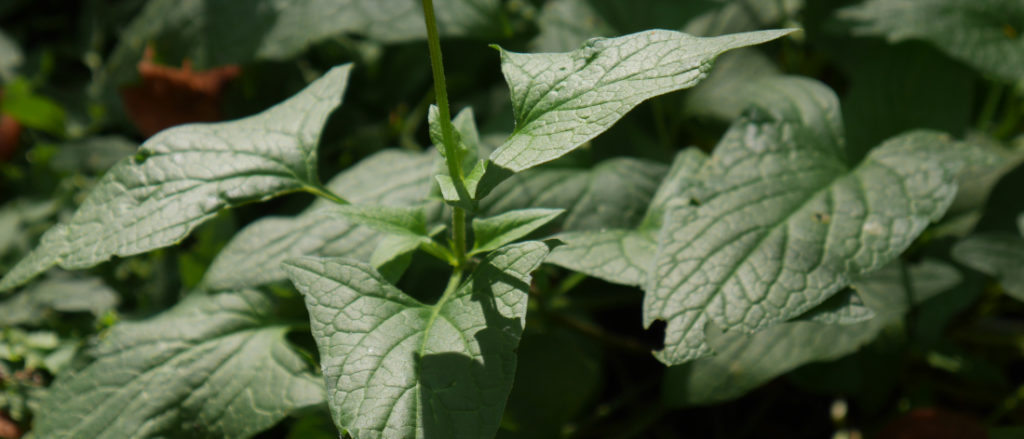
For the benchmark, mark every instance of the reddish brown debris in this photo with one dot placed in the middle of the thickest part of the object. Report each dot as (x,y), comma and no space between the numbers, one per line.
(170,96)
(8,429)
(10,132)
(934,423)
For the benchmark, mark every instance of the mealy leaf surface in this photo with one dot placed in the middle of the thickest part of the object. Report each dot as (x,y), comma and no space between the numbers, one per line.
(396,367)
(211,367)
(184,175)
(562,100)
(783,222)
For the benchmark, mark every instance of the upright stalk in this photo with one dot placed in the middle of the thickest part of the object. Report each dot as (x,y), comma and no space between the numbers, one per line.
(452,157)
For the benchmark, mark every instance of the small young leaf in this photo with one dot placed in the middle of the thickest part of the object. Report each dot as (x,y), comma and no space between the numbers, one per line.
(562,100)
(211,367)
(396,367)
(784,223)
(183,176)
(497,231)
(254,256)
(982,33)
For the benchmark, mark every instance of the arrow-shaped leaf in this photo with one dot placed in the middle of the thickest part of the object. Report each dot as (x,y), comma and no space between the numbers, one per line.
(184,176)
(396,367)
(562,100)
(782,222)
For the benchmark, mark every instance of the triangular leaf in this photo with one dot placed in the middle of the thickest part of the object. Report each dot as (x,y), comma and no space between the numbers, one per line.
(562,100)
(396,367)
(183,176)
(783,222)
(211,367)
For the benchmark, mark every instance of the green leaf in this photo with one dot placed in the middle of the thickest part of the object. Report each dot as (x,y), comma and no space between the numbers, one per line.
(624,255)
(395,220)
(997,255)
(611,194)
(986,34)
(562,100)
(743,361)
(211,367)
(783,223)
(254,256)
(60,294)
(184,175)
(500,230)
(31,109)
(396,367)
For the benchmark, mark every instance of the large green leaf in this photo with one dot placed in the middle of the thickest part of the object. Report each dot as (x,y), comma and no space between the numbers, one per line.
(211,367)
(184,176)
(254,256)
(623,255)
(782,222)
(998,255)
(745,361)
(986,34)
(396,367)
(562,100)
(613,193)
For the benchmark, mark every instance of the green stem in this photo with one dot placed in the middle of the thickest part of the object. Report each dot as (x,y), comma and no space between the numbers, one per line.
(323,192)
(452,157)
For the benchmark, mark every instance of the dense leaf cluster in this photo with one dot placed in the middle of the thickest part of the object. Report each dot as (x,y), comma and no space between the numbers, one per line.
(636,212)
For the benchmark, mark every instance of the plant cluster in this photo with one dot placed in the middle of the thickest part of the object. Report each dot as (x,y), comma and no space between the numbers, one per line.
(719,218)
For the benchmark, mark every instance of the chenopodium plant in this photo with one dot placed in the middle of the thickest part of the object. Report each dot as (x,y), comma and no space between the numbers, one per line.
(774,223)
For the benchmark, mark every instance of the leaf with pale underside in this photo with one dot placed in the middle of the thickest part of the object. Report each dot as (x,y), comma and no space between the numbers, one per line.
(254,256)
(499,230)
(623,255)
(562,100)
(396,367)
(185,175)
(782,222)
(211,367)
